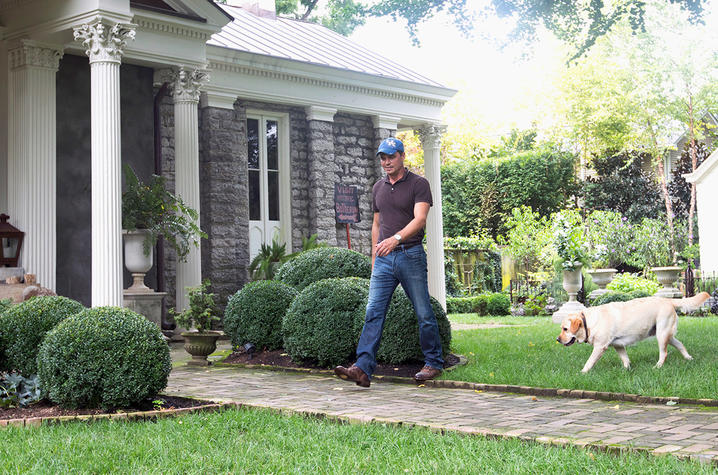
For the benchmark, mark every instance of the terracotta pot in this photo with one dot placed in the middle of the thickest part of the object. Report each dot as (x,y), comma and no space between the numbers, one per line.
(135,259)
(200,345)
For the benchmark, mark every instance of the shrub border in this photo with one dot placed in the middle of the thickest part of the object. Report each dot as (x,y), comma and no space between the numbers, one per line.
(502,388)
(119,416)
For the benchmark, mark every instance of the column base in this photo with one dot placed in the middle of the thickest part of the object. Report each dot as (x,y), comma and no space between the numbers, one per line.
(569,308)
(669,293)
(145,303)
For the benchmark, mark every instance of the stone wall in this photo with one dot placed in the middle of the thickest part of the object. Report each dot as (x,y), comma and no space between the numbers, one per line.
(223,198)
(356,165)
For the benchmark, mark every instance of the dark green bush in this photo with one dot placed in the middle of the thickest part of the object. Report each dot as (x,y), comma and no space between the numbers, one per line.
(323,263)
(254,314)
(23,326)
(475,304)
(323,324)
(400,339)
(610,297)
(5,304)
(479,304)
(458,304)
(498,304)
(105,357)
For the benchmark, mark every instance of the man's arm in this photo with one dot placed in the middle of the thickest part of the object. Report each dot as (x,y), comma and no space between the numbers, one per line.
(421,211)
(374,238)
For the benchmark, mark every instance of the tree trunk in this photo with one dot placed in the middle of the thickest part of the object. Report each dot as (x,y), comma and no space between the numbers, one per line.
(658,159)
(694,165)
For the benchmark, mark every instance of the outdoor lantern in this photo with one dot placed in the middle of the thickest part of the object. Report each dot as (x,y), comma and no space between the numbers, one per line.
(10,243)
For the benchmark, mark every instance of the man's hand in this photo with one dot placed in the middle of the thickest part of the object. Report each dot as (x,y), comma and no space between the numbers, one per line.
(386,246)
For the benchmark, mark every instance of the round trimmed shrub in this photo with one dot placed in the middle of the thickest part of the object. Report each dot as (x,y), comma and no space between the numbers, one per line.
(254,314)
(322,325)
(610,297)
(323,263)
(400,339)
(498,304)
(105,357)
(640,293)
(23,327)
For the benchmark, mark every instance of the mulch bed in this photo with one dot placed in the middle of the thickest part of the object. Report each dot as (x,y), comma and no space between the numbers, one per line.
(48,409)
(280,359)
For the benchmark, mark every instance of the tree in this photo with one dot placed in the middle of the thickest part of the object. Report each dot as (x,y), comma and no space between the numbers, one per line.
(579,23)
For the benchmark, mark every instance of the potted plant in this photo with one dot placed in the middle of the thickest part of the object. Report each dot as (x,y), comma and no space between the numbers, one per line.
(148,212)
(601,271)
(571,255)
(200,314)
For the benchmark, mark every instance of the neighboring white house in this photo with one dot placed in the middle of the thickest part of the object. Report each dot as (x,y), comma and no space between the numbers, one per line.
(706,179)
(255,119)
(709,128)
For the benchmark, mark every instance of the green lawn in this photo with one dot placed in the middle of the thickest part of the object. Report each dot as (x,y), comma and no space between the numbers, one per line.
(252,441)
(530,356)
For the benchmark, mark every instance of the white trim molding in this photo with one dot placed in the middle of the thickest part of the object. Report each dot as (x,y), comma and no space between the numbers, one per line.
(325,114)
(385,122)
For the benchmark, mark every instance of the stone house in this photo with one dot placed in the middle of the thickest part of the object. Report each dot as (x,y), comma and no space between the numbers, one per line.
(706,179)
(251,117)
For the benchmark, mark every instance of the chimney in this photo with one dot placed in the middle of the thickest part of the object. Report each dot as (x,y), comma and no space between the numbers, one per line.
(261,8)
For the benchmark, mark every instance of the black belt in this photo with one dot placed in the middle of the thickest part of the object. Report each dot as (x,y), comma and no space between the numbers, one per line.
(404,247)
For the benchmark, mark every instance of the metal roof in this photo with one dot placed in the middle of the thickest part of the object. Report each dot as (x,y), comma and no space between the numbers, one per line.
(306,42)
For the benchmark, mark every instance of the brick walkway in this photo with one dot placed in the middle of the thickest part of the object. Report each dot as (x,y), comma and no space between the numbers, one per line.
(678,430)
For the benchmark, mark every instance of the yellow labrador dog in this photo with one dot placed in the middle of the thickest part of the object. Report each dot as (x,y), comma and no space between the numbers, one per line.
(619,324)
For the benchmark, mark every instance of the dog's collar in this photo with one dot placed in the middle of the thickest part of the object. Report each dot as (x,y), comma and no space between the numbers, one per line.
(585,327)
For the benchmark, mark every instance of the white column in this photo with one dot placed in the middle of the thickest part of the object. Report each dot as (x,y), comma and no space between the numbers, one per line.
(104,43)
(431,142)
(32,154)
(186,92)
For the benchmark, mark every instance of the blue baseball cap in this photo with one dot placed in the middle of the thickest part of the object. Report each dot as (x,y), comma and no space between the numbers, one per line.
(390,145)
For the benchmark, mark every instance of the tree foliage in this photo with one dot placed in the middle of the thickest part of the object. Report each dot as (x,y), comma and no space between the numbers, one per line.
(579,23)
(621,185)
(479,195)
(679,188)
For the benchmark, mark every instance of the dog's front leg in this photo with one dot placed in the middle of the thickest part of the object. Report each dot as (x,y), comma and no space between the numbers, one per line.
(621,350)
(595,355)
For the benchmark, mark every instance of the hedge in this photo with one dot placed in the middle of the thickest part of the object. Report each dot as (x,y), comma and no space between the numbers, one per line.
(323,263)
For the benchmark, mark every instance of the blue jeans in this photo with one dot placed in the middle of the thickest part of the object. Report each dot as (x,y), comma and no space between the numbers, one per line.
(408,268)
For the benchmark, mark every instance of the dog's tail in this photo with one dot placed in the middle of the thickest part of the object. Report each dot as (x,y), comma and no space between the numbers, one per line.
(688,305)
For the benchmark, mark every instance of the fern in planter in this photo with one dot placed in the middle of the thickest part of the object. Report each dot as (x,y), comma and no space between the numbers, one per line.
(151,207)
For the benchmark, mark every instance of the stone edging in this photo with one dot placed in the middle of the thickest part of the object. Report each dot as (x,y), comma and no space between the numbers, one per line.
(120,416)
(503,388)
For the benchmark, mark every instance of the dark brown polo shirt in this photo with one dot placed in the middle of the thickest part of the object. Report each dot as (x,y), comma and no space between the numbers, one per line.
(395,204)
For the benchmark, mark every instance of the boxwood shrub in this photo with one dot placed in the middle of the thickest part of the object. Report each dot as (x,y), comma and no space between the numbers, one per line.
(323,263)
(255,313)
(400,339)
(104,357)
(498,304)
(475,304)
(23,327)
(323,324)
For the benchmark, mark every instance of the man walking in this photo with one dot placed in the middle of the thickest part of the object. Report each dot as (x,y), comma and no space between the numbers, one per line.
(401,203)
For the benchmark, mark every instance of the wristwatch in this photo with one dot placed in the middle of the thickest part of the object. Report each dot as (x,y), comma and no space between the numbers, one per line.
(397,237)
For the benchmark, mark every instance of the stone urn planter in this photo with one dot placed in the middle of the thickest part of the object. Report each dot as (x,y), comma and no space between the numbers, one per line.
(136,261)
(572,280)
(667,276)
(601,277)
(200,345)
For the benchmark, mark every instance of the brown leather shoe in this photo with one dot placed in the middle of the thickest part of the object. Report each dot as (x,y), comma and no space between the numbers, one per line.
(427,373)
(353,373)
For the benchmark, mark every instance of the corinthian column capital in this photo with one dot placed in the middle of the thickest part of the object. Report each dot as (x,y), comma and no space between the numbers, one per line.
(31,53)
(430,135)
(104,42)
(187,83)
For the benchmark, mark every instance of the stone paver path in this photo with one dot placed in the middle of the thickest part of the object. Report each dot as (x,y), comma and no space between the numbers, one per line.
(679,430)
